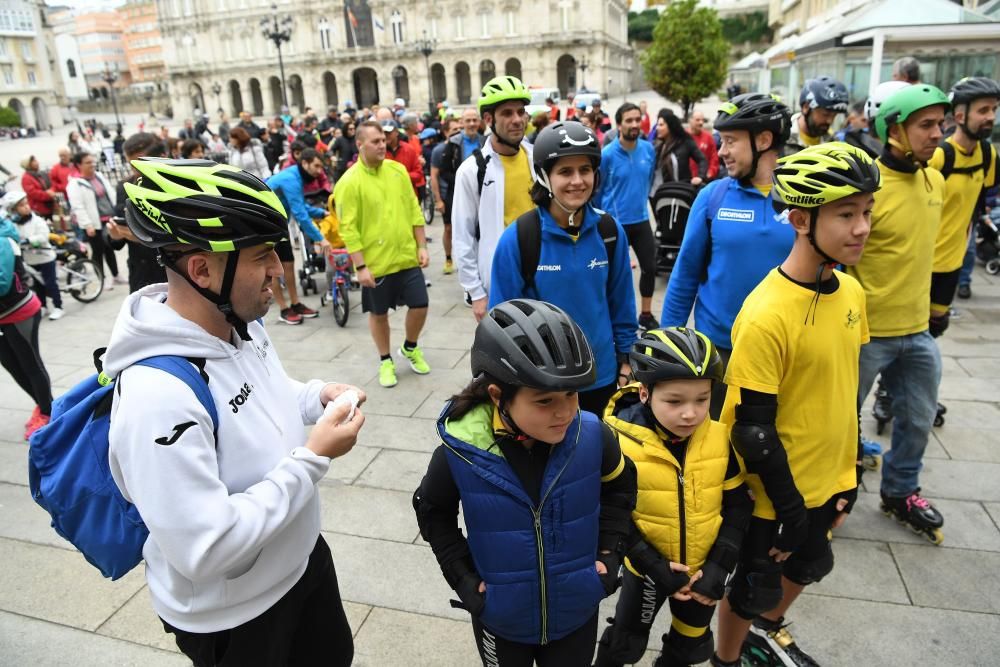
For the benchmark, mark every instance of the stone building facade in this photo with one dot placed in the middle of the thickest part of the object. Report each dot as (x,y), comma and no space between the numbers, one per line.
(27,84)
(366,51)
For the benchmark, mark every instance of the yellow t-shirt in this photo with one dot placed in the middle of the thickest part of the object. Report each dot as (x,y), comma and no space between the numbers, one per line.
(809,140)
(765,189)
(961,193)
(895,269)
(812,367)
(517,185)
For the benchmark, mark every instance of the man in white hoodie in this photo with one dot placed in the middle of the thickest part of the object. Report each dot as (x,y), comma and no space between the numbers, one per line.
(235,563)
(492,187)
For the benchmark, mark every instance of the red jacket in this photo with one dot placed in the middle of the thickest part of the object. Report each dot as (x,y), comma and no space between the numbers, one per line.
(706,144)
(38,197)
(60,175)
(409,158)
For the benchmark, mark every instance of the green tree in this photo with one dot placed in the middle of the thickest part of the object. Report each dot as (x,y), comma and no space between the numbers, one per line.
(750,27)
(688,58)
(9,118)
(641,24)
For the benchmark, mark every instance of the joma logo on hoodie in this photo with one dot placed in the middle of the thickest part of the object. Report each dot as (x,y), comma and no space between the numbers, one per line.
(241,397)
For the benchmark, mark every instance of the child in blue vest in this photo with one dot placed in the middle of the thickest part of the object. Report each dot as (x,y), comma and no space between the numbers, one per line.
(546,492)
(692,509)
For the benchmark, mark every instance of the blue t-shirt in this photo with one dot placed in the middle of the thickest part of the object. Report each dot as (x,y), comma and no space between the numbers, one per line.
(469,145)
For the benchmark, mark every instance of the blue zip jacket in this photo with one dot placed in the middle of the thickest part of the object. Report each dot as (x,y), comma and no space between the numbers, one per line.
(577,277)
(748,239)
(7,256)
(626,177)
(287,184)
(533,558)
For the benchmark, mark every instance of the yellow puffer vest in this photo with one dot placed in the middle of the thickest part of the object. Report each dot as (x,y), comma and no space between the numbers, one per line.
(681,533)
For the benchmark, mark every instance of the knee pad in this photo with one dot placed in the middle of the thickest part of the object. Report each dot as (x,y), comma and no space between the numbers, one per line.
(808,572)
(620,646)
(681,650)
(756,589)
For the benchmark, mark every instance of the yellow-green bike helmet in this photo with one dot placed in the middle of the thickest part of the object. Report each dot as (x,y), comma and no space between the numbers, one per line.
(210,206)
(824,173)
(502,89)
(185,206)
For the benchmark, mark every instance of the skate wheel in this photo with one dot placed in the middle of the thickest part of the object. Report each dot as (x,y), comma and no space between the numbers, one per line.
(993,267)
(939,420)
(936,536)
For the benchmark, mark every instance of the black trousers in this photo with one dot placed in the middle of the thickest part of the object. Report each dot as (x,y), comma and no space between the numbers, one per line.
(21,357)
(306,627)
(640,238)
(595,400)
(102,253)
(574,650)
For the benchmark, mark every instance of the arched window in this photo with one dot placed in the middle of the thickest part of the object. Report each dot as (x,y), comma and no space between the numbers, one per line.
(71,68)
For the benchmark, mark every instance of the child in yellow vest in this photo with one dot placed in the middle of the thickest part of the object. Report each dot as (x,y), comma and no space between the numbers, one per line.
(792,400)
(692,507)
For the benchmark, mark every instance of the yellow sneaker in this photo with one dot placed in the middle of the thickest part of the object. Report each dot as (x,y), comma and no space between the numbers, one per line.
(449,267)
(387,373)
(416,359)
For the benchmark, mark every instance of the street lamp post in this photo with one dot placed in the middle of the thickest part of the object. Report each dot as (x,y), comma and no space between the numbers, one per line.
(279,32)
(426,47)
(583,72)
(217,89)
(110,76)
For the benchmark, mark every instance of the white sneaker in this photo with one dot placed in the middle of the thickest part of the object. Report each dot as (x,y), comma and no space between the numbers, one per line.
(45,311)
(56,313)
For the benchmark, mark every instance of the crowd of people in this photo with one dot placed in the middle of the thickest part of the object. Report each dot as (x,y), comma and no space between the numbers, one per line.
(596,446)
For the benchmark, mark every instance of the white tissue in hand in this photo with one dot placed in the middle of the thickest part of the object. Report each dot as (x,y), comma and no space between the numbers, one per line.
(349,397)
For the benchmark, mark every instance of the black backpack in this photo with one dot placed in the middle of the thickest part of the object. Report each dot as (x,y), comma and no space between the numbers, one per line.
(529,243)
(949,168)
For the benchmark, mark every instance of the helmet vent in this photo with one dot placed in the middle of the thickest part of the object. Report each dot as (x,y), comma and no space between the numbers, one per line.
(181,181)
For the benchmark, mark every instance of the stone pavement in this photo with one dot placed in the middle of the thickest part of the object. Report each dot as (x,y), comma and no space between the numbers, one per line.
(893,599)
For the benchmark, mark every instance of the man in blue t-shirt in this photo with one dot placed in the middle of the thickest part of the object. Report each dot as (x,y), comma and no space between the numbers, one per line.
(443,186)
(627,166)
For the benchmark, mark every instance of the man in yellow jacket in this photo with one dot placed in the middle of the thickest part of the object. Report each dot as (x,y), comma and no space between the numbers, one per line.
(383,229)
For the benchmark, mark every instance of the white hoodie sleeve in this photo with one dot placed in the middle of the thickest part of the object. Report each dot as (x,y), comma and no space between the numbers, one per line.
(464,214)
(308,395)
(163,458)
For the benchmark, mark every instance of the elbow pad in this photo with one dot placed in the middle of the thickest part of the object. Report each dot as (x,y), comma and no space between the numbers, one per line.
(755,437)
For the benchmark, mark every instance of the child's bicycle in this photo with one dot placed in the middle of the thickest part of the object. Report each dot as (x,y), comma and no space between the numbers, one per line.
(338,264)
(76,274)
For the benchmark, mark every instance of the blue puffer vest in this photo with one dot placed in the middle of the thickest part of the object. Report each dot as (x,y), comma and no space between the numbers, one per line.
(538,563)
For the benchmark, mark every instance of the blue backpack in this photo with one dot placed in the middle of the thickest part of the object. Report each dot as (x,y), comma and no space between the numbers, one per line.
(70,477)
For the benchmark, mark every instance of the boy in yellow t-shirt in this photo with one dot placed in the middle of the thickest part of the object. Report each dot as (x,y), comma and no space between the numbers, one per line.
(792,399)
(692,507)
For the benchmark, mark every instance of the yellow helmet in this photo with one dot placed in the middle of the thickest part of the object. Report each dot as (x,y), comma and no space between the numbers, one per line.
(824,173)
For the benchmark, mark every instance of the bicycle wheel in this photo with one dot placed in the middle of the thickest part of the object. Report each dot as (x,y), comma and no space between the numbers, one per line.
(341,304)
(428,205)
(83,281)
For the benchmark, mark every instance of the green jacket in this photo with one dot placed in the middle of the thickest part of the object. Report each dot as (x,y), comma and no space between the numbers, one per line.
(378,211)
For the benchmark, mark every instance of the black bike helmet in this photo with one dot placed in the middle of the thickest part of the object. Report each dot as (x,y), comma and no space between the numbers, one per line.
(528,343)
(972,88)
(756,112)
(207,206)
(674,353)
(825,92)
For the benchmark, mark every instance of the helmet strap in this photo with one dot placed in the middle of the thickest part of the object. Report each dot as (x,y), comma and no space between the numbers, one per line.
(221,300)
(515,430)
(500,137)
(828,261)
(661,430)
(904,146)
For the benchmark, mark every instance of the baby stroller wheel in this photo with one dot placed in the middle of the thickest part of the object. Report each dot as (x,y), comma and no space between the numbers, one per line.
(84,281)
(993,267)
(341,304)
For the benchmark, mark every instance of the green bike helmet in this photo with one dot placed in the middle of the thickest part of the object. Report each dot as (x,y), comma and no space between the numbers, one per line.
(211,206)
(502,89)
(904,102)
(208,206)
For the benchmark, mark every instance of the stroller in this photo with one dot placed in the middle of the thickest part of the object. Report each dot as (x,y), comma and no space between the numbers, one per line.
(671,205)
(988,244)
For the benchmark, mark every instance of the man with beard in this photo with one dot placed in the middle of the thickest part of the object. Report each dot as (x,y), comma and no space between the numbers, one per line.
(968,162)
(493,189)
(627,166)
(819,103)
(706,144)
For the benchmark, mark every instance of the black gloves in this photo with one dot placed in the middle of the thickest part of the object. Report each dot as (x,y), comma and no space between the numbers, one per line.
(792,533)
(612,561)
(852,495)
(712,583)
(468,592)
(648,561)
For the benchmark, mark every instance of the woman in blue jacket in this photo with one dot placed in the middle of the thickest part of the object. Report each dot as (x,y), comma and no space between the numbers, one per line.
(546,492)
(572,243)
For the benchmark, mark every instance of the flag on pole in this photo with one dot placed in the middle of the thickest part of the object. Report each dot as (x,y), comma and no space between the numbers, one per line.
(353,19)
(378,23)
